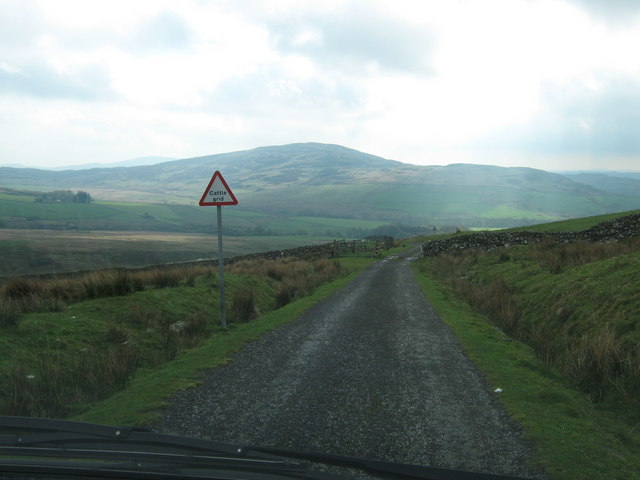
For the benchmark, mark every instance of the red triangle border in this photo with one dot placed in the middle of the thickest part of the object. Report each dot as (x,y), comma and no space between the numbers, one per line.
(204,203)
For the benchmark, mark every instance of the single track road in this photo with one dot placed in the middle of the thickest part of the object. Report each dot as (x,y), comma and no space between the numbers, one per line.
(370,372)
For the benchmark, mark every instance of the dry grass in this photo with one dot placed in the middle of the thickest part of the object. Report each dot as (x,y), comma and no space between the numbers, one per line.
(243,305)
(296,277)
(558,257)
(26,295)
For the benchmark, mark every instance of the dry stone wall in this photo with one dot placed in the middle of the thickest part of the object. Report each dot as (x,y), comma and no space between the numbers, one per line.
(325,250)
(617,229)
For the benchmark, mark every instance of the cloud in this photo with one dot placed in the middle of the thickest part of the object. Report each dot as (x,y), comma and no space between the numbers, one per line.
(273,92)
(165,31)
(89,82)
(19,22)
(597,117)
(611,11)
(355,36)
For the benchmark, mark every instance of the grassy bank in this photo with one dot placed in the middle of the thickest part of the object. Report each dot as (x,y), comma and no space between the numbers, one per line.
(566,348)
(145,396)
(77,342)
(576,224)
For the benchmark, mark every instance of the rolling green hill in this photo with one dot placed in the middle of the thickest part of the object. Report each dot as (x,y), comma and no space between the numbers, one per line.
(331,181)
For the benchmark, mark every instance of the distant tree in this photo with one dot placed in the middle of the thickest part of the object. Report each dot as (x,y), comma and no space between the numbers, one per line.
(55,196)
(64,196)
(82,197)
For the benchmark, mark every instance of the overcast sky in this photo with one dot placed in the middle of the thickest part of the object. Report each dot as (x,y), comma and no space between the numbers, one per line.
(546,84)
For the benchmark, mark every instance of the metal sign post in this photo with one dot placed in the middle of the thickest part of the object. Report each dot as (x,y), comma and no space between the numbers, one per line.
(223,320)
(218,193)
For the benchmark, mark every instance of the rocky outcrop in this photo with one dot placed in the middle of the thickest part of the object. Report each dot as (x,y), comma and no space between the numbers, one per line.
(612,230)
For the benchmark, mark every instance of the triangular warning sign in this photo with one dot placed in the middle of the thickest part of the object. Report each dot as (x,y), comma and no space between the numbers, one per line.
(218,193)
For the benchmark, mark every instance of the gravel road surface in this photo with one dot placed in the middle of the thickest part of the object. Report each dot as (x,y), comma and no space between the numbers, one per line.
(371,372)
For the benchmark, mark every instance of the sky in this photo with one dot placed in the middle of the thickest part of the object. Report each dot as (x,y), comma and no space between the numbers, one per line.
(548,84)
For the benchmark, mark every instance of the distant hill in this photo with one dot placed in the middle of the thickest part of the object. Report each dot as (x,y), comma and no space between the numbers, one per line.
(134,162)
(616,183)
(312,179)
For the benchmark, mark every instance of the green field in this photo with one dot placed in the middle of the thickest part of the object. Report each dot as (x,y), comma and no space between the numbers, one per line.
(19,210)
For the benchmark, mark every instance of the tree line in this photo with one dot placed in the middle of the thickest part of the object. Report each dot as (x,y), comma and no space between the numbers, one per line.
(64,196)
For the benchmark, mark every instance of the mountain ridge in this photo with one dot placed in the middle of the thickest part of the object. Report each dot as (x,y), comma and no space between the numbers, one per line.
(330,180)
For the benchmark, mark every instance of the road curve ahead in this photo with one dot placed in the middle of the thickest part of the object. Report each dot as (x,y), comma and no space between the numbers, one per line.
(371,372)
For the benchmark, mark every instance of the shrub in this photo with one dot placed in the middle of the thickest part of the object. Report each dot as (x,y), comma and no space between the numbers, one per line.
(287,293)
(109,283)
(32,295)
(198,326)
(22,288)
(163,278)
(122,284)
(10,312)
(242,307)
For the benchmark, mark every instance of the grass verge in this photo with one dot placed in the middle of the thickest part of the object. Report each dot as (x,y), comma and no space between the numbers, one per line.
(575,438)
(142,402)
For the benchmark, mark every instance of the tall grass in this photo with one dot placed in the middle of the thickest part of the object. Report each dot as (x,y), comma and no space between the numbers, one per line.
(556,257)
(10,312)
(146,332)
(51,387)
(243,305)
(26,295)
(296,278)
(522,290)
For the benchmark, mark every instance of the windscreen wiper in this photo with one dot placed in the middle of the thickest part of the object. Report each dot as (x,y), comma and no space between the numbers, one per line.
(35,445)
(44,446)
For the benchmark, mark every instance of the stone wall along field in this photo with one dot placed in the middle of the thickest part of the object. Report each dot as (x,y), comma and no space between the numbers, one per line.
(612,230)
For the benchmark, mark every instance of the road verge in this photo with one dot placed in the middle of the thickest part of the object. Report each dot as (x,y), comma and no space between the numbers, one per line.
(574,439)
(141,403)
